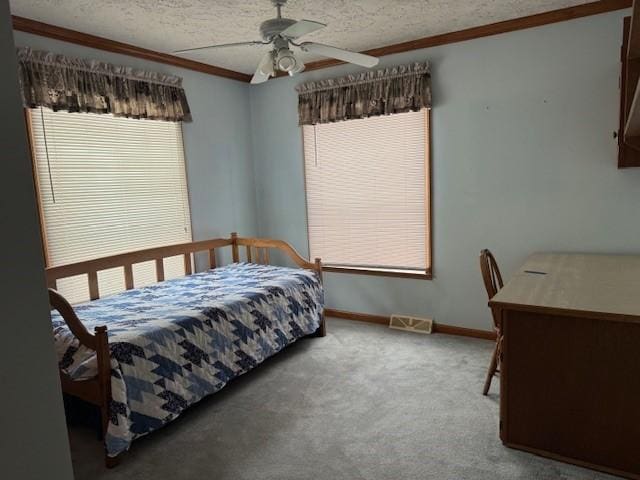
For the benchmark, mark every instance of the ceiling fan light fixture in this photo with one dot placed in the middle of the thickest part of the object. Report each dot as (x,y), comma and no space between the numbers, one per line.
(281,34)
(299,68)
(286,61)
(267,68)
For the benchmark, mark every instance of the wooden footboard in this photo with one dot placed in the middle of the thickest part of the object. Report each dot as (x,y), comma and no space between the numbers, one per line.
(97,391)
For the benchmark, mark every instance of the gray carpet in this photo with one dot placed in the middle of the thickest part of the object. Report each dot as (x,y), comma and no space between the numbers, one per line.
(365,402)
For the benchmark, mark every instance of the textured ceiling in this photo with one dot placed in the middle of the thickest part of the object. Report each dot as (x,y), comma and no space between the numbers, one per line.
(167,25)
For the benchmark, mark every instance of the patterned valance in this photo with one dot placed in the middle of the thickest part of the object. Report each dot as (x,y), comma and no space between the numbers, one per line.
(76,85)
(371,93)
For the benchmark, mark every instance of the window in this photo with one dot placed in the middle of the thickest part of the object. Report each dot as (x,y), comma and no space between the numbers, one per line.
(109,185)
(367,184)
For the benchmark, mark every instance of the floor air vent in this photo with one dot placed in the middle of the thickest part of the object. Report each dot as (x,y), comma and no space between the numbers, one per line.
(411,324)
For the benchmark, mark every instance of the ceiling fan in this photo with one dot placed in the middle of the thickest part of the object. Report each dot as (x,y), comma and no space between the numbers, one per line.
(279,33)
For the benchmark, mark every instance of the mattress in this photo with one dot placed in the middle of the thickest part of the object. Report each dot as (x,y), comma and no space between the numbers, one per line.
(175,342)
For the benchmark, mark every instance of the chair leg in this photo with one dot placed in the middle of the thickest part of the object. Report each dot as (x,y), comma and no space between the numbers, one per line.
(493,366)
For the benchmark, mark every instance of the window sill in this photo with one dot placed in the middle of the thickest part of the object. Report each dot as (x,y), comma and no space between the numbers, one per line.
(382,272)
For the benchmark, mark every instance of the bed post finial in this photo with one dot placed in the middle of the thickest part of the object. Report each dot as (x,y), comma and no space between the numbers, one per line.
(234,247)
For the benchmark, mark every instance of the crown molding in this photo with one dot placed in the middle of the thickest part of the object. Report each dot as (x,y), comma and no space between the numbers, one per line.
(522,23)
(72,36)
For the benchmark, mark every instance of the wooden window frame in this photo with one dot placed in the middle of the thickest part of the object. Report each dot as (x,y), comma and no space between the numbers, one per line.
(36,184)
(427,274)
(36,187)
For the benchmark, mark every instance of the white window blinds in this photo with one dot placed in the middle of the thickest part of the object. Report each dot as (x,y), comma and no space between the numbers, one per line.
(367,191)
(109,185)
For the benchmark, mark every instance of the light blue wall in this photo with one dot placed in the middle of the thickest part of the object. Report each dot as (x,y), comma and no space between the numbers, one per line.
(33,436)
(217,146)
(523,160)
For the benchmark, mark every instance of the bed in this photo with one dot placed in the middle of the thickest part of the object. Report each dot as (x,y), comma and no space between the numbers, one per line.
(158,349)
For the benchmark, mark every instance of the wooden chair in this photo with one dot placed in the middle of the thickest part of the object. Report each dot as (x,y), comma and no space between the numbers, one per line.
(492,282)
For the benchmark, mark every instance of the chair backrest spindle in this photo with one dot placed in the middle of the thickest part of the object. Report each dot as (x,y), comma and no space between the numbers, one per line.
(490,273)
(491,277)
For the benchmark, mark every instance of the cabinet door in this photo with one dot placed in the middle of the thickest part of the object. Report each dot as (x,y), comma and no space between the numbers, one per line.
(628,155)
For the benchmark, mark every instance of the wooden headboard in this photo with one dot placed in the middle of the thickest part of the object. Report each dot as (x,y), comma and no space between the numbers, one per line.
(256,250)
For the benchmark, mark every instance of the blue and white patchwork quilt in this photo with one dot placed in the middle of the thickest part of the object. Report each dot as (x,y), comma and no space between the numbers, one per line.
(177,341)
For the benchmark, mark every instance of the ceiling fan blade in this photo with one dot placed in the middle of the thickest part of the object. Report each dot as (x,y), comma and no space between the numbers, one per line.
(224,45)
(300,28)
(340,54)
(264,70)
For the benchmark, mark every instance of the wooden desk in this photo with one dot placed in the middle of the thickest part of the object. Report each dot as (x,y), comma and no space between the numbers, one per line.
(570,373)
